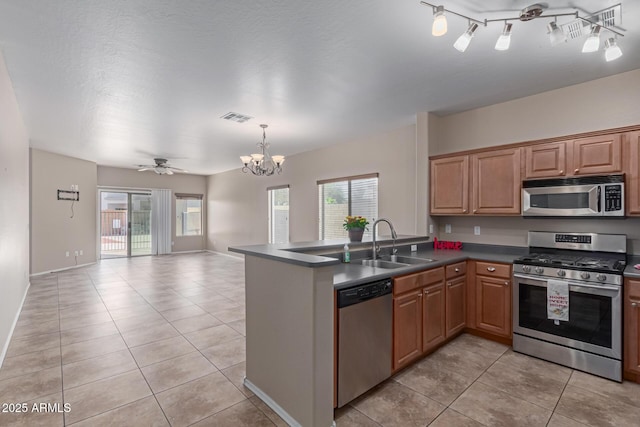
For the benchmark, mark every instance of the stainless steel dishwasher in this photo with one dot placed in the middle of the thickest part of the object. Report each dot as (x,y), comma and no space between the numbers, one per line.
(364,338)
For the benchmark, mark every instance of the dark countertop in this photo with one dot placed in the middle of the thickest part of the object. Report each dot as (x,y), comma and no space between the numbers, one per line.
(630,271)
(347,275)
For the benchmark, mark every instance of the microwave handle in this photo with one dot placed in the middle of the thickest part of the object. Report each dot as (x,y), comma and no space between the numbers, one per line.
(599,199)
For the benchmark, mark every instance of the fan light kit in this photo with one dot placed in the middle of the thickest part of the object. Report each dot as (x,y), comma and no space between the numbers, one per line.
(262,164)
(603,20)
(161,167)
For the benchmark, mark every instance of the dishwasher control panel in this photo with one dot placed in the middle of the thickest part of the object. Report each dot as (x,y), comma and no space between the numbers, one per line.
(361,293)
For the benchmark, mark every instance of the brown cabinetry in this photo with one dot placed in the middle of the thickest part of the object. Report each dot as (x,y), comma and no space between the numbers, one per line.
(496,183)
(456,305)
(597,155)
(632,184)
(450,186)
(494,179)
(433,316)
(493,298)
(545,160)
(407,328)
(632,329)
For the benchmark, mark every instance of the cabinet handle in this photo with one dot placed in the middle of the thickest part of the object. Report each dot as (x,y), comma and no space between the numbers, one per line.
(457,270)
(561,172)
(635,303)
(449,284)
(420,295)
(465,211)
(506,283)
(475,210)
(576,171)
(491,269)
(426,292)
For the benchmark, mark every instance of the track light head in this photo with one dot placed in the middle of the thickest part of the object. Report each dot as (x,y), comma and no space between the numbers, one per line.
(504,41)
(592,44)
(463,41)
(439,27)
(611,50)
(556,35)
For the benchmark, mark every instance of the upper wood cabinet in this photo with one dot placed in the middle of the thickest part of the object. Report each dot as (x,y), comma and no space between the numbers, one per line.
(496,182)
(598,154)
(450,185)
(545,160)
(632,184)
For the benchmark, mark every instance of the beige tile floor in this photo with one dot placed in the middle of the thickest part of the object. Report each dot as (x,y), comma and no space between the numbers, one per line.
(158,341)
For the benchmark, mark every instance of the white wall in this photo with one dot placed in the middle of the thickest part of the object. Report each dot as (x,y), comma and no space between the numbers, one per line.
(237,202)
(14,209)
(177,183)
(605,103)
(53,230)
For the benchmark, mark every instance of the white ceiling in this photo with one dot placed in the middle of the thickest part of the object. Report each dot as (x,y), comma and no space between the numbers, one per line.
(122,81)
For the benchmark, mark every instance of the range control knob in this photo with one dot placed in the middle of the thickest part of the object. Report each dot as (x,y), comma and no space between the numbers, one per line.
(526,268)
(601,277)
(561,273)
(539,270)
(585,275)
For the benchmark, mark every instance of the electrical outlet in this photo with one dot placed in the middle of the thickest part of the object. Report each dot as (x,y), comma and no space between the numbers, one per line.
(66,254)
(80,251)
(76,253)
(476,230)
(447,228)
(414,248)
(430,228)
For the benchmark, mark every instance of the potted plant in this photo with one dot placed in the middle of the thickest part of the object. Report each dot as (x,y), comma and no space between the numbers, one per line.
(355,226)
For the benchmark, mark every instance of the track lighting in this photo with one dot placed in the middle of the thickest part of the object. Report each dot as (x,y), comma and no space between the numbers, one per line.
(592,44)
(505,38)
(463,41)
(439,27)
(611,50)
(604,20)
(556,35)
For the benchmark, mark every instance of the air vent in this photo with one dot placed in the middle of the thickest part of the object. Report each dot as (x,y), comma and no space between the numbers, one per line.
(576,29)
(236,117)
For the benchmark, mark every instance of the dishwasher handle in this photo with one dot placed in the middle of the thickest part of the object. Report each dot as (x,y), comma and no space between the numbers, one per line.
(364,292)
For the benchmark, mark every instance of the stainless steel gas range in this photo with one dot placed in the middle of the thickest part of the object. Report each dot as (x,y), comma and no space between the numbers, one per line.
(567,300)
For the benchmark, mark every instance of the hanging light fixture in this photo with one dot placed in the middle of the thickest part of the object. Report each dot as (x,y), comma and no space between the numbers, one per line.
(604,20)
(592,44)
(504,41)
(439,27)
(262,164)
(556,35)
(463,41)
(611,50)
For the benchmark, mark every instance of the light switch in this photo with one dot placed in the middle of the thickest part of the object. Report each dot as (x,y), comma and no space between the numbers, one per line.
(476,230)
(447,228)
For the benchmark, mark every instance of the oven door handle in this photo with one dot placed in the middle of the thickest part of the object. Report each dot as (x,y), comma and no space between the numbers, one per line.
(543,283)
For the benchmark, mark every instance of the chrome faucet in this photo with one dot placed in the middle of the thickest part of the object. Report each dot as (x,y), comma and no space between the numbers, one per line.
(394,236)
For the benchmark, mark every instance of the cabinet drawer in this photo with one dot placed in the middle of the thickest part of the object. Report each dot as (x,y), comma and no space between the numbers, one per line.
(455,270)
(406,283)
(634,289)
(432,276)
(492,269)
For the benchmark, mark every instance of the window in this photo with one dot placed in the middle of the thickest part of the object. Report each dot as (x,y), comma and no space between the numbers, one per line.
(188,215)
(278,214)
(340,197)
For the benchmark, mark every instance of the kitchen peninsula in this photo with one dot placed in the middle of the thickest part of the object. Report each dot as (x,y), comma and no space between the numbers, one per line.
(290,316)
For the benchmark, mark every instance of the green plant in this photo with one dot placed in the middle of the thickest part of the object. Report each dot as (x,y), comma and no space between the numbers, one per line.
(351,222)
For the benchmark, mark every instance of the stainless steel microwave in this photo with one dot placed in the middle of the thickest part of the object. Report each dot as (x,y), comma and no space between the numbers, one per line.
(574,197)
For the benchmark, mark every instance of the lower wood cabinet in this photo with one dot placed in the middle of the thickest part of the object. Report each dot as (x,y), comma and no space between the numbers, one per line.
(433,316)
(493,305)
(632,329)
(456,290)
(407,328)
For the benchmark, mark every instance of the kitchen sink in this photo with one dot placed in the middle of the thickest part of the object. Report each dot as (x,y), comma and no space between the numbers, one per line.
(406,259)
(380,263)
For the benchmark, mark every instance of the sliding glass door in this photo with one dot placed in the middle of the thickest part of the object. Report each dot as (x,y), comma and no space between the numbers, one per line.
(125,224)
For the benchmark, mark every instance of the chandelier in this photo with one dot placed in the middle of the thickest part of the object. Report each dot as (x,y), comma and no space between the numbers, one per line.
(578,27)
(262,164)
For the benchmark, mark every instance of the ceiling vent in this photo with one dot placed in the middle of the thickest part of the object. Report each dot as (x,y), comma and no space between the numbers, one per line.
(236,117)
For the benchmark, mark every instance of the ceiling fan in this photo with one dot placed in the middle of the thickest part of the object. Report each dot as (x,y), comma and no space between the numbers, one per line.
(162,167)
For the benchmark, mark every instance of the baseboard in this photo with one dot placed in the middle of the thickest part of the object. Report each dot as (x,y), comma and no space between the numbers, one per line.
(5,347)
(271,403)
(236,257)
(62,269)
(187,252)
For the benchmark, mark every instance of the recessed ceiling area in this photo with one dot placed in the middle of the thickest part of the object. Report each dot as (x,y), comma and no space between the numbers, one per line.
(122,82)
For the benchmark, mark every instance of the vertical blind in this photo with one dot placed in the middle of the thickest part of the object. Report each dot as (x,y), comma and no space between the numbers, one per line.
(160,222)
(340,197)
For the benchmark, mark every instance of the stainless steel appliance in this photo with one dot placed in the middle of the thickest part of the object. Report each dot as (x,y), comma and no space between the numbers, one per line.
(581,196)
(364,338)
(592,266)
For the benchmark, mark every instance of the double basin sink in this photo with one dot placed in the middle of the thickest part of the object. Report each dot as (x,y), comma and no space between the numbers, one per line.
(394,261)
